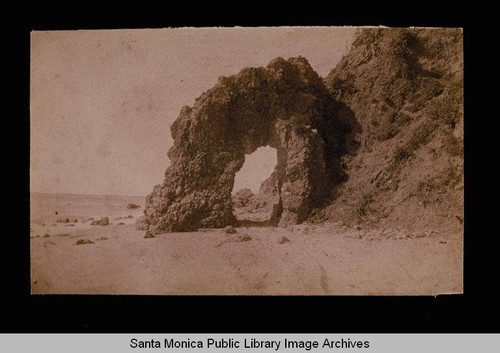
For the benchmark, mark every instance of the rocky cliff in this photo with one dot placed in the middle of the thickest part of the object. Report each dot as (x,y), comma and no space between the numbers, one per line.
(405,88)
(377,143)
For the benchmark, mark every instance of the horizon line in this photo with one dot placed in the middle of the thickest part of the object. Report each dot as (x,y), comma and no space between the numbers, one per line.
(83,194)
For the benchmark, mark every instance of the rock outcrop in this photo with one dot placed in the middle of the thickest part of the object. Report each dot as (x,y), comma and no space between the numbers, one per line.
(405,87)
(270,185)
(249,207)
(286,106)
(101,222)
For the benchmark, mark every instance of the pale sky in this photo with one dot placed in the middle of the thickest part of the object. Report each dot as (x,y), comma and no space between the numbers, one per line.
(102,101)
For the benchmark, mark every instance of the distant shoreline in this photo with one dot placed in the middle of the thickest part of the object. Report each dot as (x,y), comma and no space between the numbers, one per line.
(76,194)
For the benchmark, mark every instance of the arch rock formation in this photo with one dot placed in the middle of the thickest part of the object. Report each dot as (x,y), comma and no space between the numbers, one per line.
(284,105)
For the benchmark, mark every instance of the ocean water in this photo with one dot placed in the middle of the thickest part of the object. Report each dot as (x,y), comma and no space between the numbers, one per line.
(47,208)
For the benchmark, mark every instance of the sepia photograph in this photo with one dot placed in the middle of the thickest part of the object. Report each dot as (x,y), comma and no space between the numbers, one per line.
(262,161)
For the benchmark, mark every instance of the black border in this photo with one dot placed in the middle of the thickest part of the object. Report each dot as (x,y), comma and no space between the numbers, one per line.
(228,314)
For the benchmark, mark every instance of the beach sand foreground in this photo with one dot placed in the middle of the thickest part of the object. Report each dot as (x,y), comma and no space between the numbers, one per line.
(328,259)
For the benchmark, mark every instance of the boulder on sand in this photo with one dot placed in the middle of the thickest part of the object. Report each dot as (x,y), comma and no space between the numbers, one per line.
(230,230)
(84,241)
(101,222)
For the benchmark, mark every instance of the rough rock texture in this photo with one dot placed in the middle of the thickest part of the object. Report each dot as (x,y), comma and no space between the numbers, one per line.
(101,222)
(405,87)
(242,198)
(270,185)
(284,105)
(254,208)
(142,223)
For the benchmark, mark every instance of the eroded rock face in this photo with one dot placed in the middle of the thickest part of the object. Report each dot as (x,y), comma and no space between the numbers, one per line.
(284,105)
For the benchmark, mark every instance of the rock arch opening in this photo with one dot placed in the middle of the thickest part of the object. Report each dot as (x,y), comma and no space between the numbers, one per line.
(255,192)
(284,105)
(257,168)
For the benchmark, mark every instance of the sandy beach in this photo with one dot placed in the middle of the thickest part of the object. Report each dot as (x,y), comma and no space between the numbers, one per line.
(307,259)
(362,182)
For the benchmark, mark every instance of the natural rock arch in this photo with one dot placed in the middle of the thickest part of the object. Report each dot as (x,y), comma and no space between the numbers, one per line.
(284,105)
